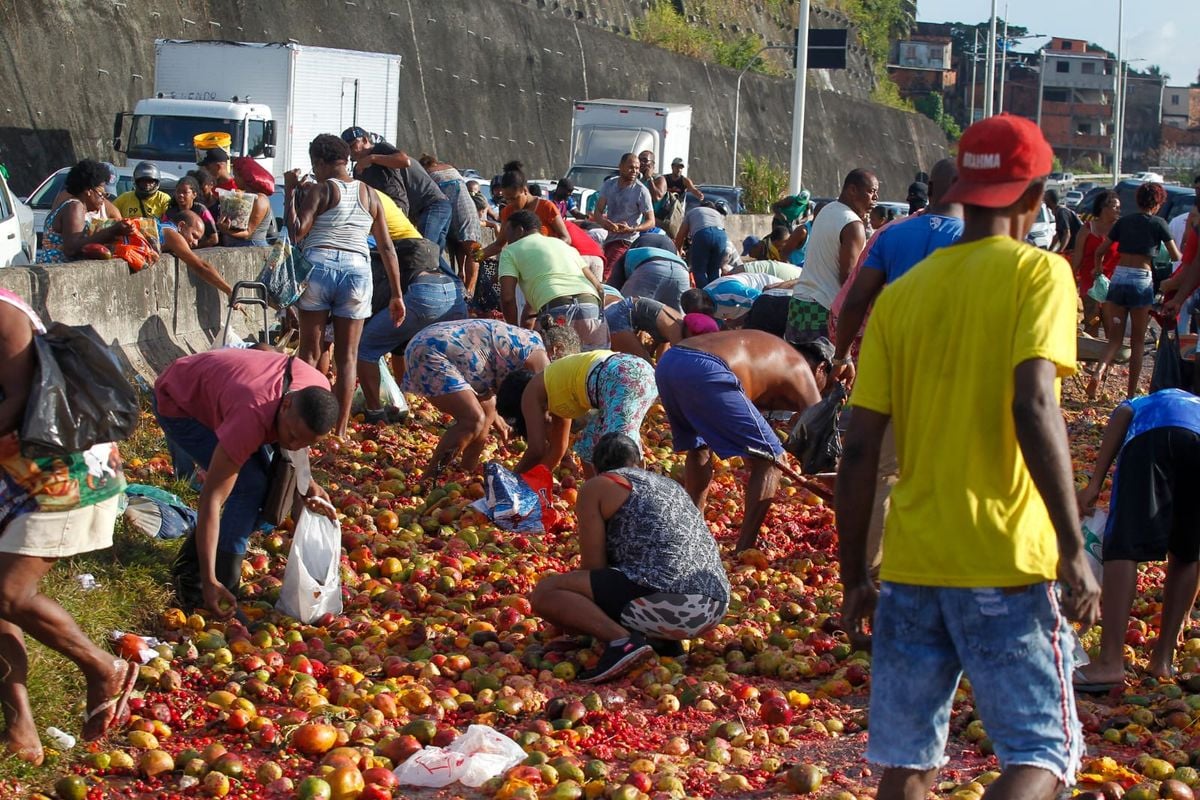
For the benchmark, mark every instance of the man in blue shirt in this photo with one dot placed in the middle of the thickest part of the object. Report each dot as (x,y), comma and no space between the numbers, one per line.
(1154,513)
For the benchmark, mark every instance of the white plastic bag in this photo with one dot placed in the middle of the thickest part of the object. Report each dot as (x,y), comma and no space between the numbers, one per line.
(1093,541)
(474,758)
(389,389)
(312,585)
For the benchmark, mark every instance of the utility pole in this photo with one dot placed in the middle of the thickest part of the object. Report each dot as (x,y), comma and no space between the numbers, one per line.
(797,162)
(989,81)
(1117,102)
(1041,84)
(1003,59)
(974,69)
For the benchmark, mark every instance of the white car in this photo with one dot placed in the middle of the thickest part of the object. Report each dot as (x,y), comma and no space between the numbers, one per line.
(1147,177)
(1073,199)
(18,245)
(1042,233)
(41,198)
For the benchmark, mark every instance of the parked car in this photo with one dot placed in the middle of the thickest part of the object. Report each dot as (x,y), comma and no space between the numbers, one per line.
(18,245)
(1072,199)
(41,198)
(1042,233)
(898,209)
(1086,186)
(1089,198)
(730,197)
(1061,181)
(1146,177)
(1179,199)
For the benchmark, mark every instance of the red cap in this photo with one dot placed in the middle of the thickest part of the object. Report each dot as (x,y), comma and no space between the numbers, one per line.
(997,159)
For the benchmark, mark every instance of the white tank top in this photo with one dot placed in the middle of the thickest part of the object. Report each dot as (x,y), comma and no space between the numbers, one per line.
(344,226)
(819,281)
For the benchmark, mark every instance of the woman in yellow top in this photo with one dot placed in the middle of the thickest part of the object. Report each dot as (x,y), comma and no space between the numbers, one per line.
(618,386)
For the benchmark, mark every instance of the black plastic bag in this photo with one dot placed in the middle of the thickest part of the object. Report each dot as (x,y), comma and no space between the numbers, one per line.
(80,396)
(1168,363)
(815,439)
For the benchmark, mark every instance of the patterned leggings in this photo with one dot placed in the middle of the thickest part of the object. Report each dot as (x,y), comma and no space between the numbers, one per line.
(623,389)
(664,615)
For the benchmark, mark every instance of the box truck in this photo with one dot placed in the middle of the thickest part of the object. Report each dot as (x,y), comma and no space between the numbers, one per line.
(272,98)
(604,130)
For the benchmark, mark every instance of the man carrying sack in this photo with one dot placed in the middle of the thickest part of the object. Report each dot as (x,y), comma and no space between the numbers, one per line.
(219,410)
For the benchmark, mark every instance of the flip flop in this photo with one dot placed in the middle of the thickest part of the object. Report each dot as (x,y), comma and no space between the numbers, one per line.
(1096,687)
(119,704)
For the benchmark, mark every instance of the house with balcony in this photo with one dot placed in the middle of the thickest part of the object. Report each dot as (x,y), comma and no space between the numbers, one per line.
(922,65)
(1077,96)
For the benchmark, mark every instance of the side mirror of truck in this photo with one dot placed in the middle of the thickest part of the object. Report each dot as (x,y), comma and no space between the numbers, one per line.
(118,125)
(269,139)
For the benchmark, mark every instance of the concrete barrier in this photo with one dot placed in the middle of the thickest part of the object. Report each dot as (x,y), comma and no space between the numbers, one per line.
(151,317)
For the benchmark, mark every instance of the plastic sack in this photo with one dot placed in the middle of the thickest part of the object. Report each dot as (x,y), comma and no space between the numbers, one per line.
(312,584)
(1168,363)
(285,273)
(80,396)
(1099,290)
(158,513)
(509,501)
(236,206)
(815,439)
(541,480)
(1093,541)
(475,757)
(253,176)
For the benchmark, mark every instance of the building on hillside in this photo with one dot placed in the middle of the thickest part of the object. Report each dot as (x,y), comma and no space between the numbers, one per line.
(922,65)
(1078,91)
(1181,106)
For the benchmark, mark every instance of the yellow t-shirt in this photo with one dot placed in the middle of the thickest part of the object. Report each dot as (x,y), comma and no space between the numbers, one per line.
(545,268)
(566,383)
(153,207)
(938,357)
(398,225)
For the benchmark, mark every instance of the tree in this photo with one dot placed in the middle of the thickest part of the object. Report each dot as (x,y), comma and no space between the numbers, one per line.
(1196,84)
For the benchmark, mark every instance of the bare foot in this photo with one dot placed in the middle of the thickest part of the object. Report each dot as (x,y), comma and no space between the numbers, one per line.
(22,741)
(1099,674)
(100,690)
(1161,665)
(1093,388)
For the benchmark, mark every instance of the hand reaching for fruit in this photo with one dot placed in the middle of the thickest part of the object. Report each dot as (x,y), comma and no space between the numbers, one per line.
(219,600)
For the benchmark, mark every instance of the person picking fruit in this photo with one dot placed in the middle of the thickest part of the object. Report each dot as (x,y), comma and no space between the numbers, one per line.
(460,365)
(964,356)
(220,410)
(50,508)
(712,387)
(1154,513)
(619,386)
(650,574)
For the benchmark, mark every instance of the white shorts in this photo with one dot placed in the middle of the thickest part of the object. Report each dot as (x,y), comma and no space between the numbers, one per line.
(59,534)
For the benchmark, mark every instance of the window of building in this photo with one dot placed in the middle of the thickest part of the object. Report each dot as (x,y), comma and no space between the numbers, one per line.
(1174,99)
(1062,66)
(1056,96)
(1088,68)
(1084,129)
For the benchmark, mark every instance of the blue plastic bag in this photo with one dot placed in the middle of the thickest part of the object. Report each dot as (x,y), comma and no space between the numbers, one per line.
(509,501)
(158,513)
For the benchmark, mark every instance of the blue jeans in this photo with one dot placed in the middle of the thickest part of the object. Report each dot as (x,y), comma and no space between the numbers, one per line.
(706,254)
(659,280)
(1015,646)
(434,224)
(436,298)
(191,443)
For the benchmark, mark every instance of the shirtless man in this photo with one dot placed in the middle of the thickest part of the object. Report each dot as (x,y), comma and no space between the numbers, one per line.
(712,388)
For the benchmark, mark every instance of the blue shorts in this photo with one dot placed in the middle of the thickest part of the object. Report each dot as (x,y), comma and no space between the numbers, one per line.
(707,407)
(340,283)
(1016,648)
(1131,287)
(429,299)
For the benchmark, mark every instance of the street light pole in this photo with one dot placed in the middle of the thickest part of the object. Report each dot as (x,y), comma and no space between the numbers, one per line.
(797,164)
(974,69)
(1118,110)
(737,102)
(1003,59)
(989,81)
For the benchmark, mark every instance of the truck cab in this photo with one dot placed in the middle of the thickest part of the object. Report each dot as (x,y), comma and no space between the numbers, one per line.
(161,130)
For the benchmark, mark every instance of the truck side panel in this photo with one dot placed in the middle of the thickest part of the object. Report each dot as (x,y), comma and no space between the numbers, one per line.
(335,89)
(222,71)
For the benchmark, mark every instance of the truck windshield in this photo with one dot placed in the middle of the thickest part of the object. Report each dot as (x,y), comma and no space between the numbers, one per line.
(590,177)
(170,138)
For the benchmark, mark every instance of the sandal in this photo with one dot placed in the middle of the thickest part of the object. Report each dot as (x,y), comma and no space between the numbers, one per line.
(119,704)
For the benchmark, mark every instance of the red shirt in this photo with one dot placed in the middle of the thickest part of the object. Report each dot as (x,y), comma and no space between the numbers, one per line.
(235,393)
(586,245)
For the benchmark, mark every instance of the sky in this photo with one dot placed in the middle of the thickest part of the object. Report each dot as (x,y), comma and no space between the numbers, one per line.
(1162,32)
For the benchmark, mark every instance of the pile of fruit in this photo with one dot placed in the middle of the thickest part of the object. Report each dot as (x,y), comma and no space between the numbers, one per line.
(437,634)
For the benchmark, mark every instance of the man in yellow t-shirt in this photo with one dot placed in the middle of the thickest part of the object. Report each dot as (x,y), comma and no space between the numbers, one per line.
(146,199)
(964,356)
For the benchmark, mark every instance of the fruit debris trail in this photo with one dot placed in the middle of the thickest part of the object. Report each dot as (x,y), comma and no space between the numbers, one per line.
(437,634)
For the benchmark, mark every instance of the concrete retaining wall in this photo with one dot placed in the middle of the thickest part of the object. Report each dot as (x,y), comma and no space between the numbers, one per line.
(152,317)
(483,82)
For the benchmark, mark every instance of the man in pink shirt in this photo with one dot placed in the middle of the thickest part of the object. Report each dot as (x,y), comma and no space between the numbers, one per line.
(220,410)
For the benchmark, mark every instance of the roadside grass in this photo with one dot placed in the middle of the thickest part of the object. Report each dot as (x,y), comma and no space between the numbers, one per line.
(133,589)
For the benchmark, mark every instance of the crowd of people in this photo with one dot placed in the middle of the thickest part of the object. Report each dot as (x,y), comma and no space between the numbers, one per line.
(958,518)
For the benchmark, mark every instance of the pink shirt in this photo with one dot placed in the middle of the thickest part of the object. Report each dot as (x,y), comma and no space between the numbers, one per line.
(234,393)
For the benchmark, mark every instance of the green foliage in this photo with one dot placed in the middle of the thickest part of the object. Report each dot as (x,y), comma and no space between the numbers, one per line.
(887,93)
(763,182)
(1056,165)
(931,106)
(663,26)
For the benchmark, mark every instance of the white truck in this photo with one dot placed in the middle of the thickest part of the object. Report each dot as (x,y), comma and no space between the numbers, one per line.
(604,130)
(273,99)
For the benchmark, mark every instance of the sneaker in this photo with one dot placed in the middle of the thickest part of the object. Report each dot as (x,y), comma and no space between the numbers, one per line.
(616,660)
(667,648)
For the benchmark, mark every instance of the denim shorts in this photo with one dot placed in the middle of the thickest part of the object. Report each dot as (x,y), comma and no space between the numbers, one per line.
(340,283)
(1016,648)
(1131,287)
